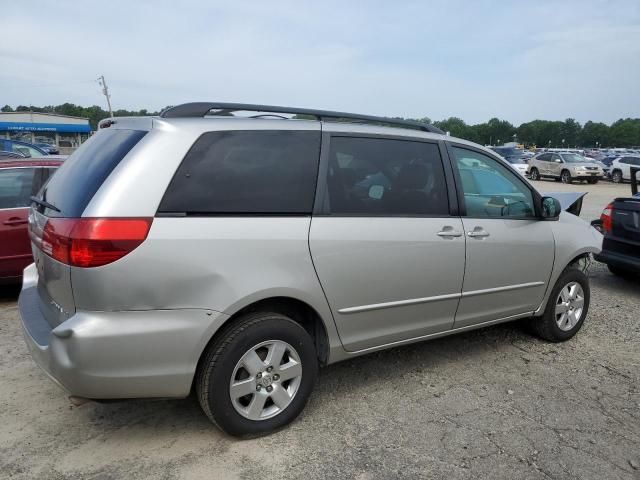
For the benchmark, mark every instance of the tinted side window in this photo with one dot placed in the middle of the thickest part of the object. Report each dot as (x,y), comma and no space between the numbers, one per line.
(16,187)
(545,157)
(247,172)
(490,189)
(82,174)
(385,177)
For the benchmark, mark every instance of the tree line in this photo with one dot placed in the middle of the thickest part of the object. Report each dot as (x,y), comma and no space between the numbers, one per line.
(541,133)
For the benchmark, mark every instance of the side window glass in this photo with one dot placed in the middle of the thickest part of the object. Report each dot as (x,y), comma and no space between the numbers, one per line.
(490,189)
(16,187)
(373,176)
(247,172)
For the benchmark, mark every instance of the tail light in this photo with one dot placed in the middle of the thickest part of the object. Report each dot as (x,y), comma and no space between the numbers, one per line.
(607,221)
(91,242)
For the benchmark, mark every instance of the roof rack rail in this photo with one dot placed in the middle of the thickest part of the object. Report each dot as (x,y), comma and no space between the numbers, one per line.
(200,109)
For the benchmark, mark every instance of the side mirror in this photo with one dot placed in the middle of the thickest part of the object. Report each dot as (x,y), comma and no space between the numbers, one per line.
(550,208)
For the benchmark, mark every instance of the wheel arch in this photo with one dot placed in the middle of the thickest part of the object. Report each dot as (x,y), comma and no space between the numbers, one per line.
(301,311)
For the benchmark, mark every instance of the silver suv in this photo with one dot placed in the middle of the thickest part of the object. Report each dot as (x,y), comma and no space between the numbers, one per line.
(564,166)
(199,251)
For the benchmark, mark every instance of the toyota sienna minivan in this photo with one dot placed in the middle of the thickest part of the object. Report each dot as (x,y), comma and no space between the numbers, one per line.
(231,250)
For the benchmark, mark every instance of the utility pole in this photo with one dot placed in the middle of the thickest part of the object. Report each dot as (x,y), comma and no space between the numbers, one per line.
(105,90)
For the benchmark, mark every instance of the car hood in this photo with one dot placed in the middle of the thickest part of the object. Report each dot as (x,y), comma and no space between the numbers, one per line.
(569,201)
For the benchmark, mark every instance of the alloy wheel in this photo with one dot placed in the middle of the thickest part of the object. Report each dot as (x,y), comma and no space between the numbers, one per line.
(569,306)
(566,177)
(265,380)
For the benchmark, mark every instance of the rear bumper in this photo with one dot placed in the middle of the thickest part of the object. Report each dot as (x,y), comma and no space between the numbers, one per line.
(126,354)
(619,260)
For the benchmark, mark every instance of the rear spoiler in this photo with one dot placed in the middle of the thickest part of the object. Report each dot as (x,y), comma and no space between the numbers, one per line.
(569,201)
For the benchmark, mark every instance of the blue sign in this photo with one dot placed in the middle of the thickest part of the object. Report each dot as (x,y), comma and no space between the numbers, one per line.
(44,127)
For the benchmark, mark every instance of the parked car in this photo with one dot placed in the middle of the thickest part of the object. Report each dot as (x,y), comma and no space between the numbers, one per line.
(10,155)
(49,148)
(19,180)
(565,167)
(511,153)
(235,256)
(26,149)
(519,165)
(620,223)
(621,168)
(606,169)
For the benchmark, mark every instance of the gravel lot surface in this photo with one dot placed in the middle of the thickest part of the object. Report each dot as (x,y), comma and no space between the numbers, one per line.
(495,403)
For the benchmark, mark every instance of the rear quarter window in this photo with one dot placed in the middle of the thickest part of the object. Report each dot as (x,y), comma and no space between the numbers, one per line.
(246,172)
(81,175)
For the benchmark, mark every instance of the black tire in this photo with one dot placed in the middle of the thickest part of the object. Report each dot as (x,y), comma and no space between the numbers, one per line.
(546,326)
(223,354)
(622,272)
(565,177)
(592,181)
(616,176)
(534,174)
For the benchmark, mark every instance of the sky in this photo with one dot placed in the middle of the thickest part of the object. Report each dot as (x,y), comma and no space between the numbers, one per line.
(476,59)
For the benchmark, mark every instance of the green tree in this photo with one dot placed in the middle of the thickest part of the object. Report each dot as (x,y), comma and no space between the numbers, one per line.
(6,108)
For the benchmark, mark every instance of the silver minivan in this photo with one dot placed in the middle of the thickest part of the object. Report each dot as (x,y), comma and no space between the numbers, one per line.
(231,256)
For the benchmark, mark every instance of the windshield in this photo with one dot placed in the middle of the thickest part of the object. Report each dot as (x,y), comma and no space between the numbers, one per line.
(573,158)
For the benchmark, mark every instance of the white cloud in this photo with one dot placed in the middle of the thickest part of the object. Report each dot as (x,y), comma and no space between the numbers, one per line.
(518,61)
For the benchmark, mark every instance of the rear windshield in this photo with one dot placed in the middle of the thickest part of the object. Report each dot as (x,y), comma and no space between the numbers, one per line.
(80,176)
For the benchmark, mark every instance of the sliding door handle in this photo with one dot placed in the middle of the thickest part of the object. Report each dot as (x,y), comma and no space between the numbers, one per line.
(478,233)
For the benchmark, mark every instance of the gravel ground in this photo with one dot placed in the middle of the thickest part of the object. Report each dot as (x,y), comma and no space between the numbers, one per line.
(495,403)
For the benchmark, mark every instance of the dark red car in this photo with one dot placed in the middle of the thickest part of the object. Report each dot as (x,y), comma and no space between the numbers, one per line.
(19,180)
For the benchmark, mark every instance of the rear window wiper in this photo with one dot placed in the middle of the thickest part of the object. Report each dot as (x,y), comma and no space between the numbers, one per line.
(45,204)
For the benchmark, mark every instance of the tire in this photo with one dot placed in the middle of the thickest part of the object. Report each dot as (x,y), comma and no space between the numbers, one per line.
(616,176)
(556,179)
(592,181)
(547,326)
(565,177)
(622,272)
(534,174)
(224,361)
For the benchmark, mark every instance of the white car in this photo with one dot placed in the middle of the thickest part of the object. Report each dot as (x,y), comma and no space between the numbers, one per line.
(621,168)
(519,165)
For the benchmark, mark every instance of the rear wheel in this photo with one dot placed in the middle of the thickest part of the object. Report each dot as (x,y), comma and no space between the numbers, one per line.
(567,307)
(534,174)
(257,375)
(565,176)
(616,176)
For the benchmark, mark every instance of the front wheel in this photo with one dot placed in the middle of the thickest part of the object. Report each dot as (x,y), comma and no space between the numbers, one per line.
(534,174)
(567,307)
(616,176)
(257,375)
(565,176)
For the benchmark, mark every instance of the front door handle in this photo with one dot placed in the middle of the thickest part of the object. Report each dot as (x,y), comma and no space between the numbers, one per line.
(478,232)
(449,232)
(15,221)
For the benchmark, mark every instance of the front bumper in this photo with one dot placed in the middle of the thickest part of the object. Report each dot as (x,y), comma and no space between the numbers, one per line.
(125,354)
(587,174)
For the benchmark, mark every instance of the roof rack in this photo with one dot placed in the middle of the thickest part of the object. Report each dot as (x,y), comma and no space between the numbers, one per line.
(201,109)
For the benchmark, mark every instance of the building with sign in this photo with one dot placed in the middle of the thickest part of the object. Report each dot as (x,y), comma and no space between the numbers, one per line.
(35,127)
